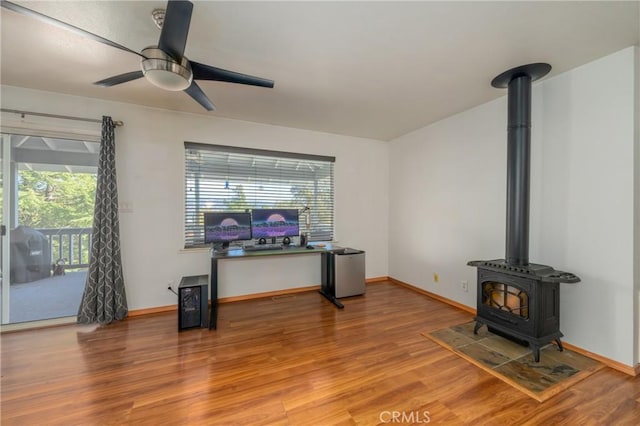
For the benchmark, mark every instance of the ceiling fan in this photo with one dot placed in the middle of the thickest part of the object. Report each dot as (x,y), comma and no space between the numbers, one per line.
(164,65)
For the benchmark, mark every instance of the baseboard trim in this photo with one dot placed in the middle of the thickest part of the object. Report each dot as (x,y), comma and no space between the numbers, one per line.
(616,365)
(434,296)
(623,368)
(230,299)
(275,293)
(156,310)
(376,280)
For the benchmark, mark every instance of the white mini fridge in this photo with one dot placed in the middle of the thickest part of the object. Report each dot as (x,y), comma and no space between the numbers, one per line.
(343,272)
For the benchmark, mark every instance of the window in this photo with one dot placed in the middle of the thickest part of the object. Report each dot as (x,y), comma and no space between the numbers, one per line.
(224,178)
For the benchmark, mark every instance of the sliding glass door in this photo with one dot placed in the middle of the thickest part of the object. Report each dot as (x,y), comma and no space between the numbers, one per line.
(48,188)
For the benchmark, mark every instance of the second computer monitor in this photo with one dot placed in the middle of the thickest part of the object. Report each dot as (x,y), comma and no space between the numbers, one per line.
(224,227)
(274,223)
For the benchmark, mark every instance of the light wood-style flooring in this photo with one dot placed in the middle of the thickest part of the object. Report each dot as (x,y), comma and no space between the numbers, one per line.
(288,360)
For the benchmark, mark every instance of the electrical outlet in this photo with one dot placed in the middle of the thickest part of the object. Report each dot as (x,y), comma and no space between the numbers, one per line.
(436,278)
(464,285)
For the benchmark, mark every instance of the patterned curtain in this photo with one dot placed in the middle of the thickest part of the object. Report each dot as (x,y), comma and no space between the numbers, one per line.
(104,298)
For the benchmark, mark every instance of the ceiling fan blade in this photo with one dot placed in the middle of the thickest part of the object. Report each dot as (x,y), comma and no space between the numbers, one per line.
(119,79)
(207,72)
(198,95)
(175,28)
(49,20)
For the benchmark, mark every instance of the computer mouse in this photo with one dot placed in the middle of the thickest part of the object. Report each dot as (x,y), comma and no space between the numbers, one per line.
(310,247)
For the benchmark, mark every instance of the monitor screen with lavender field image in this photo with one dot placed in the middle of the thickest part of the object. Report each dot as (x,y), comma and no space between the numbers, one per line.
(223,227)
(273,223)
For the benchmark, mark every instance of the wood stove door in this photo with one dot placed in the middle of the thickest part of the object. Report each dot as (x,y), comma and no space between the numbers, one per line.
(507,300)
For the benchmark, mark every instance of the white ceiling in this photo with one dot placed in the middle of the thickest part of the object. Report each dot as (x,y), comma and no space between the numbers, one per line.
(370,69)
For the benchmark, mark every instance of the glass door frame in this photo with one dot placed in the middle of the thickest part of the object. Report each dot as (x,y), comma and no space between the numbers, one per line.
(7,183)
(10,192)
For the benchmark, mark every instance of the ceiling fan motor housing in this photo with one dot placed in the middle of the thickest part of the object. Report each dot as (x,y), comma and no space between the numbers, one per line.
(163,71)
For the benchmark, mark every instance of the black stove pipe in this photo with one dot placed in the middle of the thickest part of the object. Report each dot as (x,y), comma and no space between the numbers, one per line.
(518,171)
(518,81)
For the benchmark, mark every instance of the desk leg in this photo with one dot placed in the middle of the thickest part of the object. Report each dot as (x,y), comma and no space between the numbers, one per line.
(327,287)
(331,299)
(213,317)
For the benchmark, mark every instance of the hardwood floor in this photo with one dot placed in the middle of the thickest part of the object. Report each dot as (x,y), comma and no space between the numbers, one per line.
(290,360)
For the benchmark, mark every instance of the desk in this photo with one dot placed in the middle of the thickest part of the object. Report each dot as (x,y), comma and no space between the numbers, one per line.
(238,254)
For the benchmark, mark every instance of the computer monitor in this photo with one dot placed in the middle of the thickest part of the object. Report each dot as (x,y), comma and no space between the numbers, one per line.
(224,227)
(273,223)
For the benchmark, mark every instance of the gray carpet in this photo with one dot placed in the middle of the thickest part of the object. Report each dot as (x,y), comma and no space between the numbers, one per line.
(52,297)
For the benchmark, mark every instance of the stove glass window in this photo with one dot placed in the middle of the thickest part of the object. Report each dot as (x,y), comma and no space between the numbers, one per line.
(506,298)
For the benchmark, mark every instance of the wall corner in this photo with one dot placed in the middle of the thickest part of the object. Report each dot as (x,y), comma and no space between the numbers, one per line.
(636,204)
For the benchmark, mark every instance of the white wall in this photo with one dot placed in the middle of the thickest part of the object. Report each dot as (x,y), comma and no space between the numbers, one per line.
(447,203)
(637,205)
(150,169)
(586,208)
(448,182)
(636,192)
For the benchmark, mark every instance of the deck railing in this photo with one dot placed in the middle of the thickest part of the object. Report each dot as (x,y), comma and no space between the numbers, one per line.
(71,244)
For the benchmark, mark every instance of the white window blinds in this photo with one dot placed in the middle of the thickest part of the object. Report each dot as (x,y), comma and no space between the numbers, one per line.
(223,178)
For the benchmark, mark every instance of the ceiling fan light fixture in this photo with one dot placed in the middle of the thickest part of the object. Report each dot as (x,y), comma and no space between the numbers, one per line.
(162,71)
(166,75)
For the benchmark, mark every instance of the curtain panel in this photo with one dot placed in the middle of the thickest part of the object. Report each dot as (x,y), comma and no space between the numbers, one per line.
(104,299)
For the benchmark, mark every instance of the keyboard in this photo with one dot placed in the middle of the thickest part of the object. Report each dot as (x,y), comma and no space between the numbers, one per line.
(262,247)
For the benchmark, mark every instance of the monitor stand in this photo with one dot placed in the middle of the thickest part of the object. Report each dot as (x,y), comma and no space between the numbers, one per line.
(221,247)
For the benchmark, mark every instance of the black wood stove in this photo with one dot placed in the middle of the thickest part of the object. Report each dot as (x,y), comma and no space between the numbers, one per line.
(518,299)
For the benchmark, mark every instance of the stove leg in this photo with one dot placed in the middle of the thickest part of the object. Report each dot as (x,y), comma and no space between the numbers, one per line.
(536,353)
(477,327)
(559,344)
